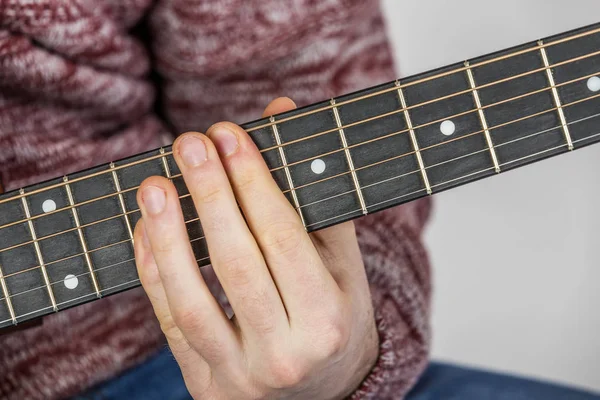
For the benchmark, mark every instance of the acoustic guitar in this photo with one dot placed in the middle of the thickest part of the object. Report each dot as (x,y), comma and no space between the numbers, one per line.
(68,241)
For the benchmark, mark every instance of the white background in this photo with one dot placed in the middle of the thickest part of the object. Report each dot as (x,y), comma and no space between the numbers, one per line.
(516,257)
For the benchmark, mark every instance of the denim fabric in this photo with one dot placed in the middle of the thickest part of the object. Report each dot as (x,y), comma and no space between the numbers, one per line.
(159,378)
(448,382)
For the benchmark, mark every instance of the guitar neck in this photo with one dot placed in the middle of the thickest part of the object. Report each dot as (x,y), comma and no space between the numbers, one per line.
(68,241)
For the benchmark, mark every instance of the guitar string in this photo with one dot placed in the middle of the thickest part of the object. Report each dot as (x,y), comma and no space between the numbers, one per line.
(431,78)
(311,183)
(201,259)
(329,198)
(323,154)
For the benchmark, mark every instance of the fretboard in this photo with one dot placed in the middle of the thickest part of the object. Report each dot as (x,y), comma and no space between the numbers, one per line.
(68,241)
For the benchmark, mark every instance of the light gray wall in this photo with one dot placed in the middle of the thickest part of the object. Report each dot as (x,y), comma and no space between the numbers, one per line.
(516,257)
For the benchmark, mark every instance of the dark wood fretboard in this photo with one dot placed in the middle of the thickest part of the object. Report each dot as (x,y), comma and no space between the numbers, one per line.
(69,240)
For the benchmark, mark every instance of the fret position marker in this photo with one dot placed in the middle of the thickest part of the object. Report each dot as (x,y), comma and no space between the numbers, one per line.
(594,83)
(318,166)
(557,101)
(338,121)
(448,128)
(71,281)
(48,206)
(482,119)
(413,138)
(86,254)
(38,251)
(288,175)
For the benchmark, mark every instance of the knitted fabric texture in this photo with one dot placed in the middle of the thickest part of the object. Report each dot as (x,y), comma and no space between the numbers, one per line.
(84,82)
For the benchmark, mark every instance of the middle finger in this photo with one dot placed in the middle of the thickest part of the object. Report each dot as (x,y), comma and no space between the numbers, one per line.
(235,256)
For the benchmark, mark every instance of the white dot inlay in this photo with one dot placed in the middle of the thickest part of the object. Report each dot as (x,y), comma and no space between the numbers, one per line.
(318,166)
(48,205)
(448,128)
(71,281)
(594,83)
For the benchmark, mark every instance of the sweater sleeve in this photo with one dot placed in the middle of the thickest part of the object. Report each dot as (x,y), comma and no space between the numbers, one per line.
(399,277)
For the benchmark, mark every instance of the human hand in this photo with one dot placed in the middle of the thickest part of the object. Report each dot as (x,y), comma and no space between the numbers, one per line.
(303,326)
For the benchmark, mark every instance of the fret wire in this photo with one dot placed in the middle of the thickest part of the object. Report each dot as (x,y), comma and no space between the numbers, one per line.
(9,305)
(122,201)
(88,260)
(413,139)
(375,184)
(345,173)
(349,157)
(348,102)
(440,75)
(557,101)
(288,175)
(165,163)
(38,251)
(484,124)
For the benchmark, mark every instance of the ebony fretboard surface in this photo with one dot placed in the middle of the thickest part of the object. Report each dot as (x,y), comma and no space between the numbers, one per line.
(68,241)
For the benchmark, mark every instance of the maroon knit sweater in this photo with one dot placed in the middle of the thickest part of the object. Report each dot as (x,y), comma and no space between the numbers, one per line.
(76,90)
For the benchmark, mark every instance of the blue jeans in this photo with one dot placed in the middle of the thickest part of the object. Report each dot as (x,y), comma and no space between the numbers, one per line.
(160,379)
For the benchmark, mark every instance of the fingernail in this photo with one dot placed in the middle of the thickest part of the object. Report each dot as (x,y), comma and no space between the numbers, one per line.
(193,151)
(225,140)
(154,199)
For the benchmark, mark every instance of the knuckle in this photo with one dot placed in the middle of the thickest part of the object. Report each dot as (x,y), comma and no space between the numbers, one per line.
(333,339)
(284,372)
(283,238)
(148,273)
(333,331)
(170,329)
(188,320)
